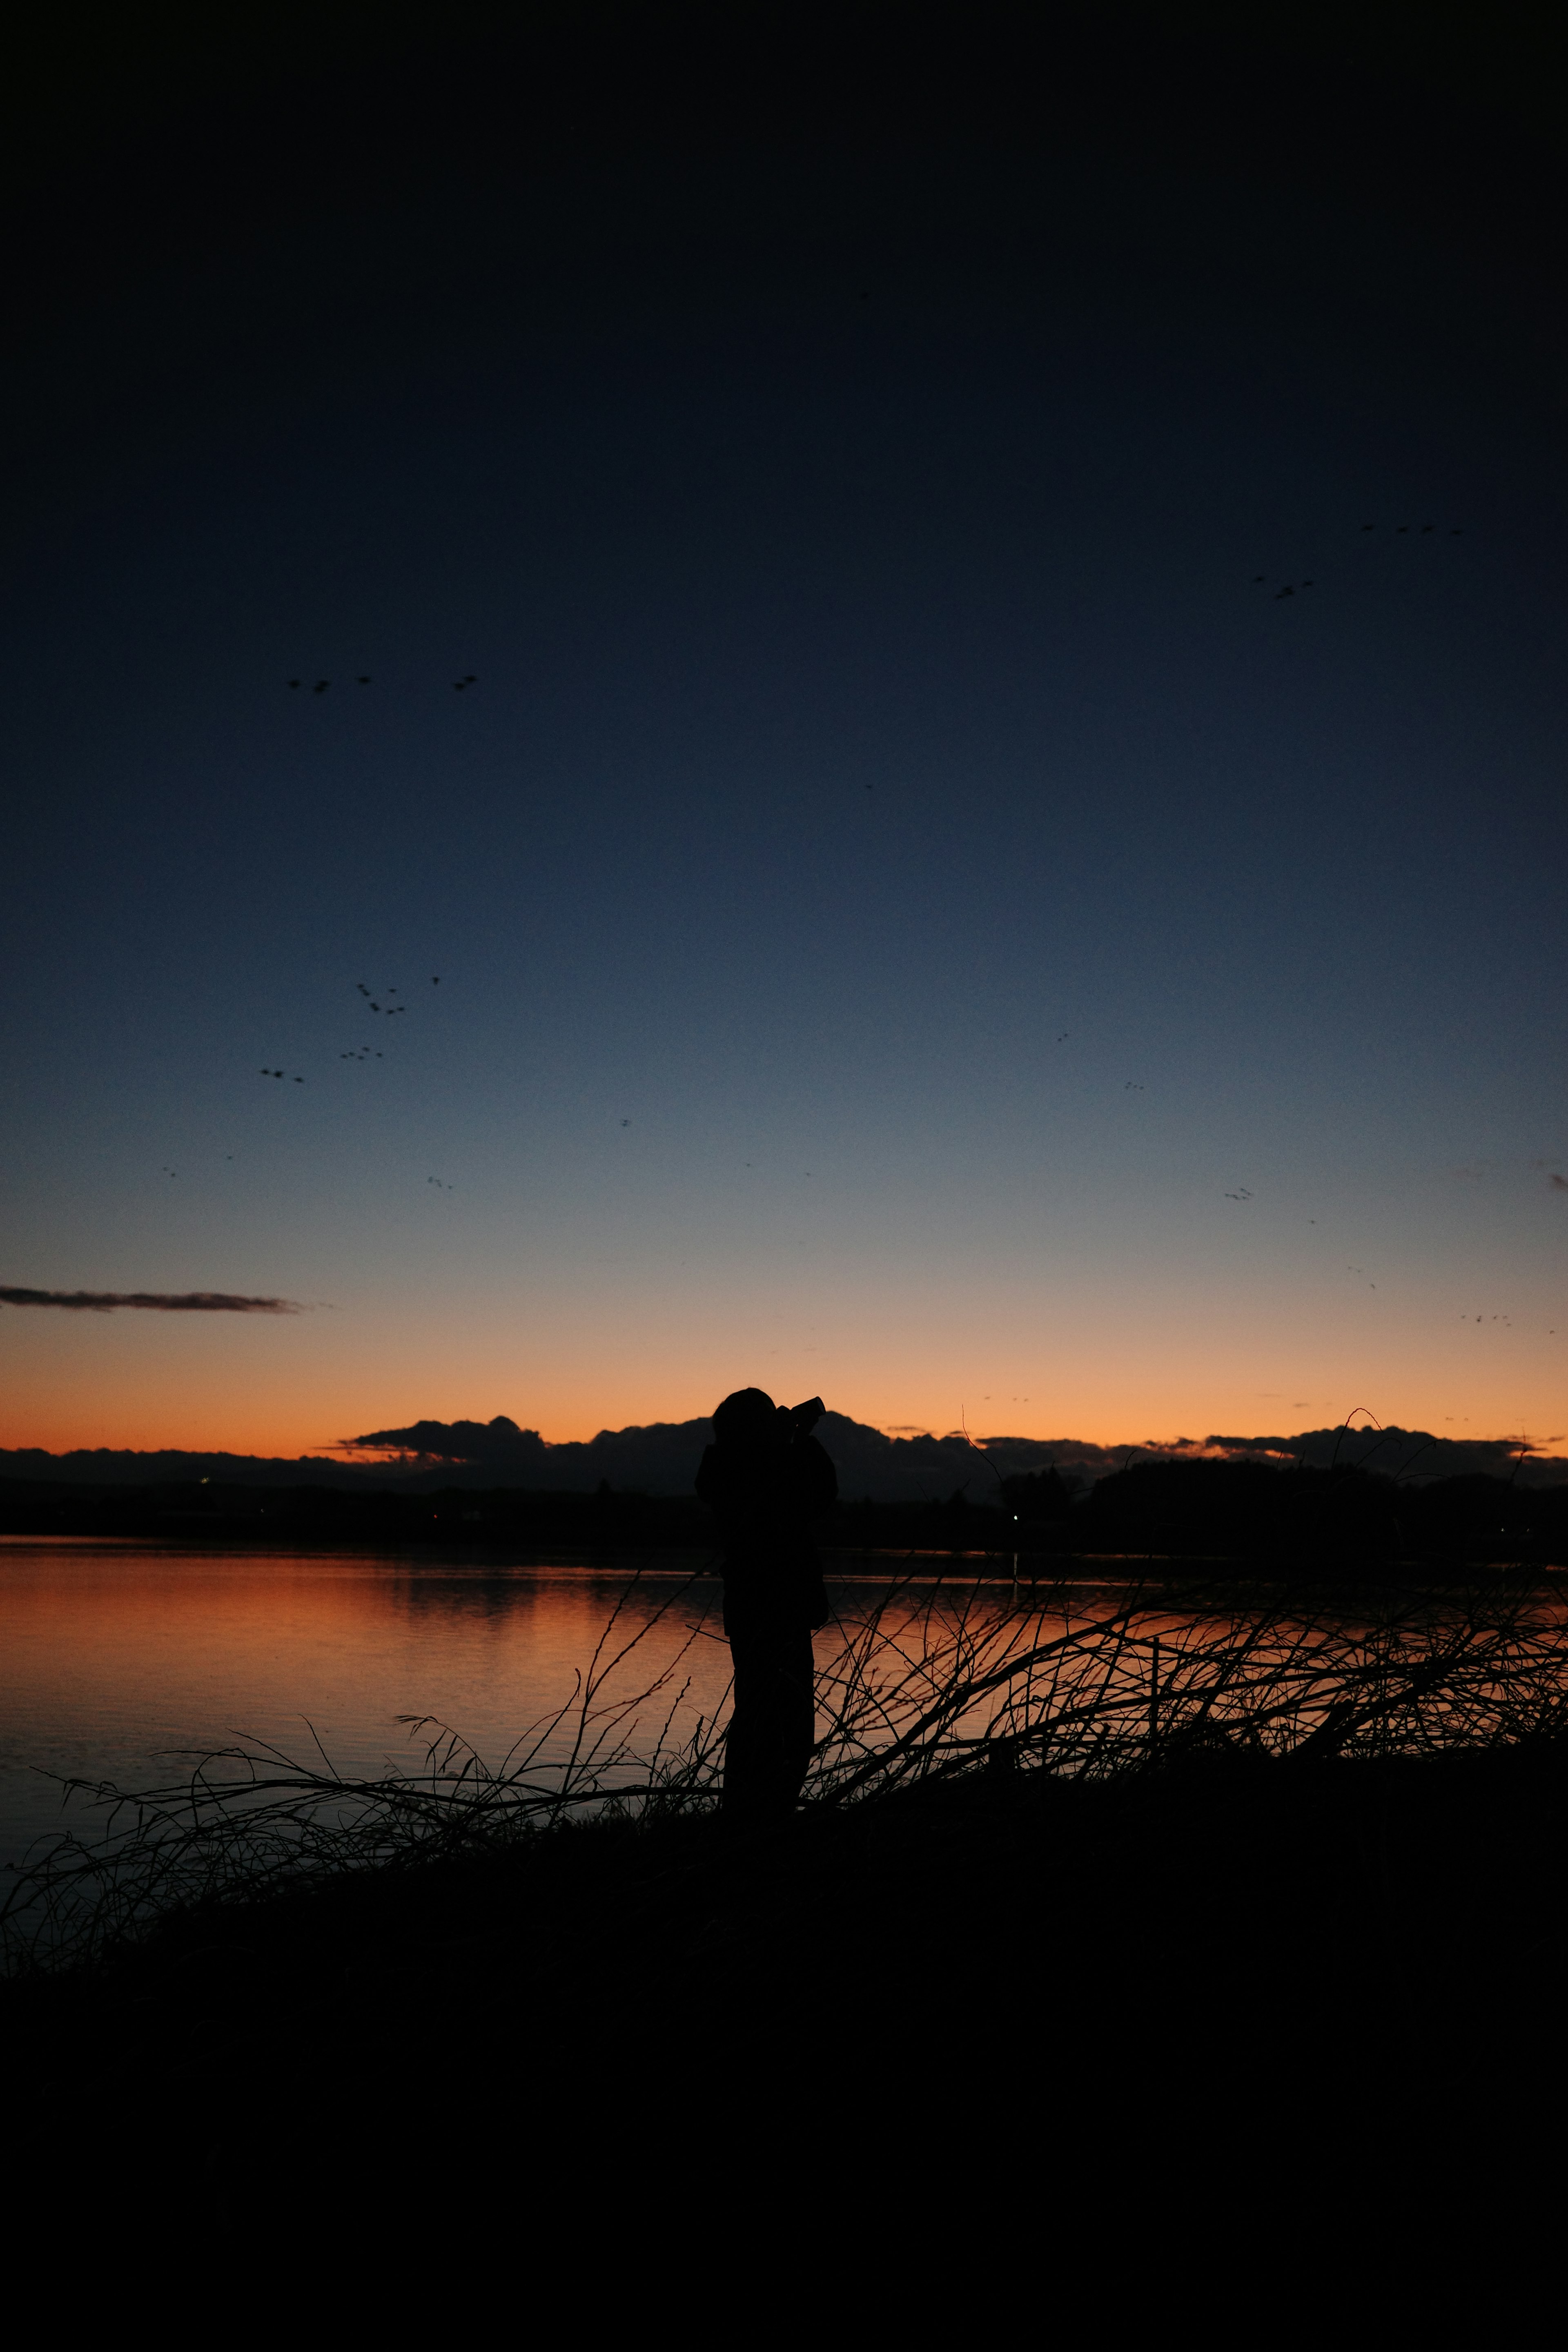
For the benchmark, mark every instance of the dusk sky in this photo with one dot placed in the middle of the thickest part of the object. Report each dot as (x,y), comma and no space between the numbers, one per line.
(917,918)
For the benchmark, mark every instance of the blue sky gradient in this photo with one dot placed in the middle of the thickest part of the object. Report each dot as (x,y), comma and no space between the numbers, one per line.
(897,877)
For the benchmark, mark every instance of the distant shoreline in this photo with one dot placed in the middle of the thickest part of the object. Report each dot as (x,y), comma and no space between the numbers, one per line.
(1221,1520)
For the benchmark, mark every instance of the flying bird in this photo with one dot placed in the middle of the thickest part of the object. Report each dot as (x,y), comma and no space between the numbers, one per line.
(361,681)
(436,980)
(1243,1195)
(1369,526)
(321,686)
(1285,591)
(294,681)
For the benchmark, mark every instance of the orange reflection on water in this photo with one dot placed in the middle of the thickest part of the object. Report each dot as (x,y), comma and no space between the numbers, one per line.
(114,1657)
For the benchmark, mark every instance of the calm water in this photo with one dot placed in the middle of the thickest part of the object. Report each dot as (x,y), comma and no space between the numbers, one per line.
(121,1660)
(115,1657)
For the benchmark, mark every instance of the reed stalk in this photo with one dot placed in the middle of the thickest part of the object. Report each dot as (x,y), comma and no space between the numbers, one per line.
(927,1686)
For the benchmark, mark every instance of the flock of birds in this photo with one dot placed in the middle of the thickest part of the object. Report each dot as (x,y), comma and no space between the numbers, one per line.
(1400,530)
(1131,1086)
(1259,580)
(368,1053)
(1284,590)
(361,1053)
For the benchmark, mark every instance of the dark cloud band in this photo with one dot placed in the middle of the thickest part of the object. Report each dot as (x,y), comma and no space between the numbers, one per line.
(660,1458)
(162,1302)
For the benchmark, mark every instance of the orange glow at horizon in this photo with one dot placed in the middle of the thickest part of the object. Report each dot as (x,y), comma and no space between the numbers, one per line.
(248,1391)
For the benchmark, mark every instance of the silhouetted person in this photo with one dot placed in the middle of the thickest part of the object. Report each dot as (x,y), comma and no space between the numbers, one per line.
(766,1479)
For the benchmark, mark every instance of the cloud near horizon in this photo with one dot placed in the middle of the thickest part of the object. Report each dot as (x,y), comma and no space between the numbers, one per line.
(661,1458)
(162,1302)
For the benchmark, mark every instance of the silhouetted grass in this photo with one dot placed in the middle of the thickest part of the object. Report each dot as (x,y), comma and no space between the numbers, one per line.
(931,1686)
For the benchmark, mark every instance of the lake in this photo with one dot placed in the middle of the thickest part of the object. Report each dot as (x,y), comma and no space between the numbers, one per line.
(121,1660)
(117,1656)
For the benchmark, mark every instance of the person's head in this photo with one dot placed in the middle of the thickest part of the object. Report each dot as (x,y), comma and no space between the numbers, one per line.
(745,1418)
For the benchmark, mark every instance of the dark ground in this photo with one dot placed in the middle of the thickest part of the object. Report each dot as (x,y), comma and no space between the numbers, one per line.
(1210,1979)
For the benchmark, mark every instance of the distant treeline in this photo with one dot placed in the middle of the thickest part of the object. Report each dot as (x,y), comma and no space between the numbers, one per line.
(1249,1509)
(1304,1520)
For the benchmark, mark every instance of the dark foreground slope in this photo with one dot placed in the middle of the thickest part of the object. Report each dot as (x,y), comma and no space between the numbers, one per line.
(1221,1964)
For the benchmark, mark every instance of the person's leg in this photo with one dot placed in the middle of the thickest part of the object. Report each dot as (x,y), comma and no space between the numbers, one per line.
(773,1720)
(780,1716)
(748,1744)
(796,1692)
